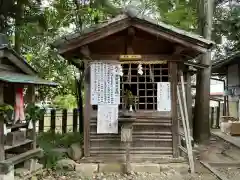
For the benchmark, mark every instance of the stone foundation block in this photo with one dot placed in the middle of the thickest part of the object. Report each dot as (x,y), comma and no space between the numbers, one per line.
(87,169)
(145,167)
(111,167)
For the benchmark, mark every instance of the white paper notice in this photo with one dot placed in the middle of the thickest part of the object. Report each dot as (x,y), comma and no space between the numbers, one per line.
(94,83)
(107,119)
(163,96)
(105,84)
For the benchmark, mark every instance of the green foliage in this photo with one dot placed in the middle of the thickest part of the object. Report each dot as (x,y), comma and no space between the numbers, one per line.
(65,102)
(40,26)
(51,158)
(58,140)
(129,97)
(33,112)
(6,111)
(49,140)
(229,26)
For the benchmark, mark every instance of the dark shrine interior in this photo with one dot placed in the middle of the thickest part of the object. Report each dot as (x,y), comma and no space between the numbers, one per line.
(143,87)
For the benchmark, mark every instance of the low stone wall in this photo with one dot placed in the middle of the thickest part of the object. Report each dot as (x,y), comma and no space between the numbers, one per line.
(88,169)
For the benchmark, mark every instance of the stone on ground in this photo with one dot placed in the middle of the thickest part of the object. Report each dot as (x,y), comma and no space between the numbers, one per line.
(66,164)
(75,151)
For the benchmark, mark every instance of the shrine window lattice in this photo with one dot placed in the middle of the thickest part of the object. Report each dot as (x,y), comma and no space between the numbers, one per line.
(143,87)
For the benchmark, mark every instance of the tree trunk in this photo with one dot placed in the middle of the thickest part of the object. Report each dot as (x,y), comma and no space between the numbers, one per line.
(18,23)
(201,128)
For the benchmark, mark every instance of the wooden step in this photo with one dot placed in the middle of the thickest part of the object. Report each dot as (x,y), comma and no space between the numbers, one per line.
(135,158)
(27,141)
(143,124)
(137,133)
(21,157)
(133,148)
(131,152)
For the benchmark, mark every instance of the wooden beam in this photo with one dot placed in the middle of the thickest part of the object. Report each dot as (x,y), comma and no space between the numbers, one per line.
(19,63)
(196,65)
(170,37)
(1,53)
(87,110)
(5,67)
(21,157)
(31,99)
(85,52)
(95,36)
(144,57)
(129,40)
(2,137)
(175,122)
(179,50)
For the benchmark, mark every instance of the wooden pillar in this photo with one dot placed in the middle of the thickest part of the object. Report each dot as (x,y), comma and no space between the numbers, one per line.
(175,122)
(87,110)
(31,99)
(2,153)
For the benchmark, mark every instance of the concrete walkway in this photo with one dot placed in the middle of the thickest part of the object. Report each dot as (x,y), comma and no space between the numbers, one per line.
(234,140)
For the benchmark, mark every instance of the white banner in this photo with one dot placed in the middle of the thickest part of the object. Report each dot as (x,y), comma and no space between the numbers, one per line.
(163,96)
(107,119)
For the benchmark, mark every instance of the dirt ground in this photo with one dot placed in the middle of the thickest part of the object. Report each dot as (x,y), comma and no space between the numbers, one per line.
(171,174)
(216,151)
(168,175)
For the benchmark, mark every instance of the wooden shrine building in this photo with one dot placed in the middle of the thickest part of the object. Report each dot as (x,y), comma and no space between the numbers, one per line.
(162,50)
(17,141)
(229,69)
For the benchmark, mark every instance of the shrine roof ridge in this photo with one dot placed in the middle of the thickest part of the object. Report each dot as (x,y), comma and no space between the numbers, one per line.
(228,60)
(133,13)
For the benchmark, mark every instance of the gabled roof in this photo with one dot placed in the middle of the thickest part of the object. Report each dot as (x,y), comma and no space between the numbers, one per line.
(29,75)
(15,58)
(131,17)
(217,66)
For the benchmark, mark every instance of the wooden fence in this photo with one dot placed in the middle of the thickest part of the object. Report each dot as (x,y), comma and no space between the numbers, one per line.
(61,121)
(64,121)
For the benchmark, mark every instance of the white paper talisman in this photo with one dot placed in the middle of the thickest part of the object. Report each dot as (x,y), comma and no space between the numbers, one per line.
(107,119)
(163,96)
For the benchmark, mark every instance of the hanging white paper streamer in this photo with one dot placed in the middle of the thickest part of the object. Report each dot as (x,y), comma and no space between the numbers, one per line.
(140,71)
(30,125)
(107,119)
(163,96)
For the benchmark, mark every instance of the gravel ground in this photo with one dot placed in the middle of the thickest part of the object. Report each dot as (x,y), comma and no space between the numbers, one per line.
(230,173)
(168,175)
(72,175)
